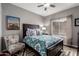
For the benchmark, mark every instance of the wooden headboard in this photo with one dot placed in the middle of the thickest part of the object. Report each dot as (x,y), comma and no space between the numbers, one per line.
(31,26)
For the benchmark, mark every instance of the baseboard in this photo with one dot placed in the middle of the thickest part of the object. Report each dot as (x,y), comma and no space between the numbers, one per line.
(75,46)
(72,46)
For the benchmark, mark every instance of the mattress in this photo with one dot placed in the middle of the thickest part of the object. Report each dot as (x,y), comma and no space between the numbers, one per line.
(41,43)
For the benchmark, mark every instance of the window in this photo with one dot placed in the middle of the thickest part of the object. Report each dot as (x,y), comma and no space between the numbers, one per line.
(58,26)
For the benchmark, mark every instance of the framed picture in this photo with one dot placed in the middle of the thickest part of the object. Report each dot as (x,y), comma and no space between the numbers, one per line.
(77,22)
(12,23)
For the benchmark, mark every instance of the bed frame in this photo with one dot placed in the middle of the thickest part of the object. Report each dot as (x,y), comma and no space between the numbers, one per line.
(53,50)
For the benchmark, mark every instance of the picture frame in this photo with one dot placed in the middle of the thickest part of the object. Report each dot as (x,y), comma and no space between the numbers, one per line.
(77,22)
(12,23)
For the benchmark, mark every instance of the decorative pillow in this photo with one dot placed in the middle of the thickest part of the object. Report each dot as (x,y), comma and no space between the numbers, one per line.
(38,31)
(31,32)
(28,32)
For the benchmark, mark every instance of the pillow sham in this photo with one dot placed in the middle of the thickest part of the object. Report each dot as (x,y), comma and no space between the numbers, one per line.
(31,32)
(38,32)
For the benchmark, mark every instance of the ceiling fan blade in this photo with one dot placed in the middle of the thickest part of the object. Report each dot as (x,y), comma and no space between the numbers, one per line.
(52,6)
(45,8)
(40,5)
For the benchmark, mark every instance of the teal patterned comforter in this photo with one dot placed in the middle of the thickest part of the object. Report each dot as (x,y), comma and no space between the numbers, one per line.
(40,43)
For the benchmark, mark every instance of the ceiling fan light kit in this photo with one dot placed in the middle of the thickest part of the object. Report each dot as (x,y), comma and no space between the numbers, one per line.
(46,5)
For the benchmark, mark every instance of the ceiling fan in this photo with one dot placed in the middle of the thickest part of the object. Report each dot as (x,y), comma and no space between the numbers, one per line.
(46,5)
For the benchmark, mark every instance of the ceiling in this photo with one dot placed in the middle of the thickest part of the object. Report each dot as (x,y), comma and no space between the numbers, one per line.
(32,7)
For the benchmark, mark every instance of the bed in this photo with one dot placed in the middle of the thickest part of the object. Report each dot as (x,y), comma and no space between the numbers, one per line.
(43,45)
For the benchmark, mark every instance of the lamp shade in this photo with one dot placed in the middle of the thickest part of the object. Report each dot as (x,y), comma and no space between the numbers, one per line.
(43,28)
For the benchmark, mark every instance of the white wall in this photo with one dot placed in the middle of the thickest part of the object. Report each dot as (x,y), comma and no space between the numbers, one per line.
(25,17)
(75,14)
(0,27)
